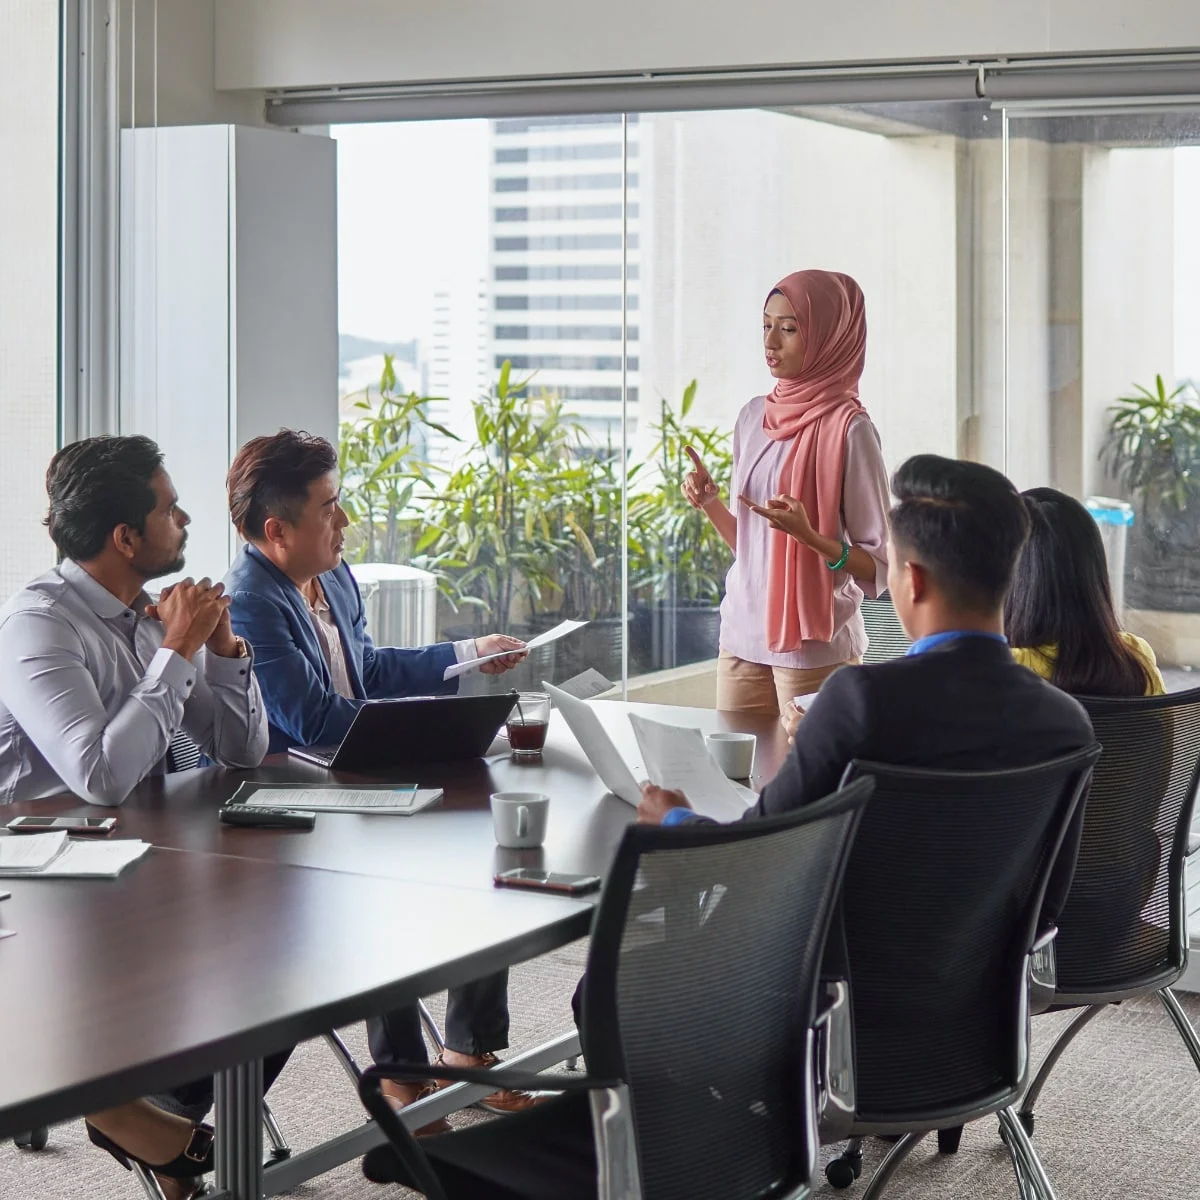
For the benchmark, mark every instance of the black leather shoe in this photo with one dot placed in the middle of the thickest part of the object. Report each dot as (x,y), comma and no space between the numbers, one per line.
(196,1159)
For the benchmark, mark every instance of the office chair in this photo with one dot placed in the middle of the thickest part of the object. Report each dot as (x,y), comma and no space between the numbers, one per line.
(1123,930)
(937,923)
(697,1020)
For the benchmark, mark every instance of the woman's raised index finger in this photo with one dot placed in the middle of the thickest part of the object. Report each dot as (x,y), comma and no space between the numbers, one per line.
(690,451)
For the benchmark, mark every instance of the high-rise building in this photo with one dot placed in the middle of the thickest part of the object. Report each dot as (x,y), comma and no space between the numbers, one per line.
(555,260)
(458,370)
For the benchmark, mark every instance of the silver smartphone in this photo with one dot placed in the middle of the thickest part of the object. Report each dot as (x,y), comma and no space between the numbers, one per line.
(95,826)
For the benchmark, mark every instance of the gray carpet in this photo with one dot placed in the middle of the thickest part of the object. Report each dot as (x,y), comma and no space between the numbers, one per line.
(1119,1121)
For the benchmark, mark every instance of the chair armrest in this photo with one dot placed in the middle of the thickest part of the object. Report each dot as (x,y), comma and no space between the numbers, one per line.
(496,1077)
(834,1061)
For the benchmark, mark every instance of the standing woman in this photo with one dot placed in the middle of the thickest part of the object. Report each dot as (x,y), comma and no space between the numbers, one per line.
(810,532)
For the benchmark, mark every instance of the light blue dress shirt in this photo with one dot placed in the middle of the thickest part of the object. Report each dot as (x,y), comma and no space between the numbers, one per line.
(90,699)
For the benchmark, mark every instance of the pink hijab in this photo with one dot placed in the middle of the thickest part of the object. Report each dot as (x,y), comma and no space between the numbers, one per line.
(813,412)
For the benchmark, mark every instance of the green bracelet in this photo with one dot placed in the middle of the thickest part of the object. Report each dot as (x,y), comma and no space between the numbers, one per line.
(841,562)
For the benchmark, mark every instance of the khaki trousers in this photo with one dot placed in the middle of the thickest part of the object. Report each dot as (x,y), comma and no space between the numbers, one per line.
(755,687)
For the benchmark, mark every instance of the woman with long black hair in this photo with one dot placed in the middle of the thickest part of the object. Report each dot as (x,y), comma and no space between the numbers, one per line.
(1059,616)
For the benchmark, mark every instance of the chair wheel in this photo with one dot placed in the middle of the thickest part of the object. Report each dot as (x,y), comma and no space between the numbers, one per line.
(1026,1119)
(949,1139)
(842,1172)
(35,1139)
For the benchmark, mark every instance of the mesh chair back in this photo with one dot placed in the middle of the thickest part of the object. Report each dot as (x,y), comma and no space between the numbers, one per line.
(700,989)
(1123,927)
(940,907)
(886,638)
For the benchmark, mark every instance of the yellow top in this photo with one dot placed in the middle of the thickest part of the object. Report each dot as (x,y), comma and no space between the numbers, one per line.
(1040,660)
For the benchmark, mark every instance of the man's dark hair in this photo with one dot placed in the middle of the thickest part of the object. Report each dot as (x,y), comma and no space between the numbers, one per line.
(96,485)
(964,523)
(270,477)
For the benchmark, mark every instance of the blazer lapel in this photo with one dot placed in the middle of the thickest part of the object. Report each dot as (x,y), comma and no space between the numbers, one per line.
(291,596)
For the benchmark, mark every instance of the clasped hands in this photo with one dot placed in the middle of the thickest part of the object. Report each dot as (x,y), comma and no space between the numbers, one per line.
(194,615)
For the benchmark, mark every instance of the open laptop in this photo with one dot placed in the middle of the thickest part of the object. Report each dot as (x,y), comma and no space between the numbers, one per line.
(393,733)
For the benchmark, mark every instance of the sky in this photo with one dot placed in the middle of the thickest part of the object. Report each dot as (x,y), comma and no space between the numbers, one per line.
(412,212)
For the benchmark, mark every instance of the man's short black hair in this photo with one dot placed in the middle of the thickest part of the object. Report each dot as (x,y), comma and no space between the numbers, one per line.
(270,477)
(94,486)
(964,523)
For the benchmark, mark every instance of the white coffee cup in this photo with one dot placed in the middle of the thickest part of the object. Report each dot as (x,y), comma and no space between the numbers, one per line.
(519,819)
(732,752)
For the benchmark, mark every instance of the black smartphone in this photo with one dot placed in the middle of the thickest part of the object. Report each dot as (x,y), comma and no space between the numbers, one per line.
(97,826)
(548,881)
(252,817)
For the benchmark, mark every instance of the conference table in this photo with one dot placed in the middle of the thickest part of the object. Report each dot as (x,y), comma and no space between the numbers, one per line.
(226,944)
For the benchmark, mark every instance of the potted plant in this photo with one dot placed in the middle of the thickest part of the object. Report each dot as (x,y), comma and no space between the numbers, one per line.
(586,517)
(488,529)
(678,561)
(381,460)
(1153,448)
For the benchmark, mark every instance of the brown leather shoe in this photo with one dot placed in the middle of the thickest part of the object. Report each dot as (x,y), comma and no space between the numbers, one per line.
(501,1102)
(401,1093)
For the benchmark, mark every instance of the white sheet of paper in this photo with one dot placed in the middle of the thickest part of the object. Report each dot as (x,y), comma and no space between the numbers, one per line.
(587,684)
(676,757)
(454,670)
(94,859)
(804,703)
(24,853)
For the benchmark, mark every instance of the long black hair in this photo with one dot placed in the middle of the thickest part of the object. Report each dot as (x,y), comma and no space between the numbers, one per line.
(1061,598)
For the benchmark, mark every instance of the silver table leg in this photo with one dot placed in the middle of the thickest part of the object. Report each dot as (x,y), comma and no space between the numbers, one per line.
(239,1129)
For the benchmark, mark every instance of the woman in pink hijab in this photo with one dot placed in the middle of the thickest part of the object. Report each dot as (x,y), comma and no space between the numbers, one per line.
(809,529)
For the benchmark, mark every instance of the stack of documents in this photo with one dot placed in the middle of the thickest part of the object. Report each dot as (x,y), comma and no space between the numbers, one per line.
(55,856)
(676,757)
(394,799)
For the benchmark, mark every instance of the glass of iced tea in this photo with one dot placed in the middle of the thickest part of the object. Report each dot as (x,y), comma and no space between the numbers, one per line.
(527,724)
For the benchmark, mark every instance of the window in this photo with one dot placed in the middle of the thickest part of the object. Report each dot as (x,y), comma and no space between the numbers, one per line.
(29,117)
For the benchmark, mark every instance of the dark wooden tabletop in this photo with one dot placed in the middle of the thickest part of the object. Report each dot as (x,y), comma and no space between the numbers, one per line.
(226,944)
(451,843)
(189,963)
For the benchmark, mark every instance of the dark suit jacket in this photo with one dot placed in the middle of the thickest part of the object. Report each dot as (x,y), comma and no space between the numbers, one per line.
(962,705)
(303,709)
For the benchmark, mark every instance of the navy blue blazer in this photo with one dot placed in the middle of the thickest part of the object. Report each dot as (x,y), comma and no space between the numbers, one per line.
(303,709)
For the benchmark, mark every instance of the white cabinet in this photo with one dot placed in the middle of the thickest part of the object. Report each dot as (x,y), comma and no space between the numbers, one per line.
(228,294)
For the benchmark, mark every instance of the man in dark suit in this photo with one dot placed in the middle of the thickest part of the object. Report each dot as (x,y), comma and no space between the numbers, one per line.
(296,603)
(957,700)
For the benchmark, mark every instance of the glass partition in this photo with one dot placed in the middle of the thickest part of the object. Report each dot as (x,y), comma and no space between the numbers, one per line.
(1104,344)
(29,120)
(537,316)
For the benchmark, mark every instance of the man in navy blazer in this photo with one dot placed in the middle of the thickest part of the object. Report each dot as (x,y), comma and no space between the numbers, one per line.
(295,601)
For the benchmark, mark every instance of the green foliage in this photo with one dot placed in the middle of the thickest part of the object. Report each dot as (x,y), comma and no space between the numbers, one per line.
(490,527)
(530,517)
(587,516)
(381,459)
(676,555)
(1153,444)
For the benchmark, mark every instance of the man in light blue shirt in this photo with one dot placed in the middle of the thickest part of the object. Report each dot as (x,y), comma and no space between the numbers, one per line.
(95,677)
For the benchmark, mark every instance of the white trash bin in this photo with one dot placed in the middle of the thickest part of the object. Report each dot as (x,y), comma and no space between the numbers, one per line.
(400,603)
(1114,518)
